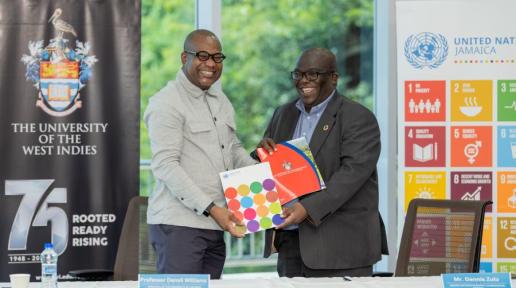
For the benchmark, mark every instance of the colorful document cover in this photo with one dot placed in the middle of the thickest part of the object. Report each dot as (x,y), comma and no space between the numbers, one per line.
(252,197)
(294,169)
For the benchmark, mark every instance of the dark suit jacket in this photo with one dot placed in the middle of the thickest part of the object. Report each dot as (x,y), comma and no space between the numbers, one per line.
(344,230)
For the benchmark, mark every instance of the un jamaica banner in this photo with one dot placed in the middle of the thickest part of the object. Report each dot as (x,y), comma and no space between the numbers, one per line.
(69,130)
(457,114)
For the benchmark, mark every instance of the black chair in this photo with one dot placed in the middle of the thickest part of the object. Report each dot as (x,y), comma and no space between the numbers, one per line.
(127,256)
(440,236)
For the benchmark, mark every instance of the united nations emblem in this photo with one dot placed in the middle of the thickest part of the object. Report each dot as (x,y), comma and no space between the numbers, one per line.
(426,50)
(58,71)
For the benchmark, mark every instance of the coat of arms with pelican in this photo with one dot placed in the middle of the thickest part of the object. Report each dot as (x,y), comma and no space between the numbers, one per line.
(58,71)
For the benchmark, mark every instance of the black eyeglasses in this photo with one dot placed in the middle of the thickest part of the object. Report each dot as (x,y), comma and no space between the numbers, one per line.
(204,56)
(309,75)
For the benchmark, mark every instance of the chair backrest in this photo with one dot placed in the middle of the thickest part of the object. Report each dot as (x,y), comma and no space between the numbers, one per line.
(441,236)
(127,256)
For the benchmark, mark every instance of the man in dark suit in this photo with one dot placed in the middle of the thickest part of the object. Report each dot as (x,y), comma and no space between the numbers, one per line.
(337,231)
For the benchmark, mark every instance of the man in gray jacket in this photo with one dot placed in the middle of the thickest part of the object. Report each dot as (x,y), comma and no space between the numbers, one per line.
(192,133)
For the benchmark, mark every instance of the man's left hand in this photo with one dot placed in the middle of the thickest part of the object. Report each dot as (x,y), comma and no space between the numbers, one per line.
(293,215)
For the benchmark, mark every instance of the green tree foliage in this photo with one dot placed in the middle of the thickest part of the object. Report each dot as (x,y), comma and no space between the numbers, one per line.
(165,23)
(262,40)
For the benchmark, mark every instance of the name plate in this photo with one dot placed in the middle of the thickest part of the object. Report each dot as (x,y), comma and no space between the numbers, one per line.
(173,280)
(477,280)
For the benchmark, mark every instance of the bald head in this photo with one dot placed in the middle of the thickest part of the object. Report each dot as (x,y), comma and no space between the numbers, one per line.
(323,57)
(199,35)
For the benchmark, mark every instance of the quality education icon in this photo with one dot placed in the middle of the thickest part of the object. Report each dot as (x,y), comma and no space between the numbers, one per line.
(426,50)
(58,71)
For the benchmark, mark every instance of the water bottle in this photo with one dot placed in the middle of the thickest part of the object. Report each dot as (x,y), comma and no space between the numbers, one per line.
(49,267)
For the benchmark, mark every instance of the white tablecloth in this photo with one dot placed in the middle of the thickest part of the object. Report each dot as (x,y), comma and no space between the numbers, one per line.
(364,282)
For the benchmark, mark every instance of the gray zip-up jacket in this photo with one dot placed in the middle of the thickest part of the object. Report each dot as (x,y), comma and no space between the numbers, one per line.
(193,138)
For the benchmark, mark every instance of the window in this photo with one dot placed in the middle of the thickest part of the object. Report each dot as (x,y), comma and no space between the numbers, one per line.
(263,39)
(165,23)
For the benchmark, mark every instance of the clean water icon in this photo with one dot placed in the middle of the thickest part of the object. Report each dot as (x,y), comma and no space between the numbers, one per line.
(506,146)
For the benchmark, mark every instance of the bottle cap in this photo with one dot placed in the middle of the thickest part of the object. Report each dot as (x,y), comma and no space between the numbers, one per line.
(48,245)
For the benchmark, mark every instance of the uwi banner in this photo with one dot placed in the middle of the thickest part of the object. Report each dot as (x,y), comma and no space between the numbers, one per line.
(69,130)
(457,119)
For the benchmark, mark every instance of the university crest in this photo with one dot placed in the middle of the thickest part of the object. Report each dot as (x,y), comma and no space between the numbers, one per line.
(58,71)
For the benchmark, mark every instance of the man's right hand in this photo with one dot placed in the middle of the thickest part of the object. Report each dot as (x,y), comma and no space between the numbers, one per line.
(268,144)
(227,221)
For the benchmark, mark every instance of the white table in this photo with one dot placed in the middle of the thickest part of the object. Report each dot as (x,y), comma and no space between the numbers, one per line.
(363,282)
